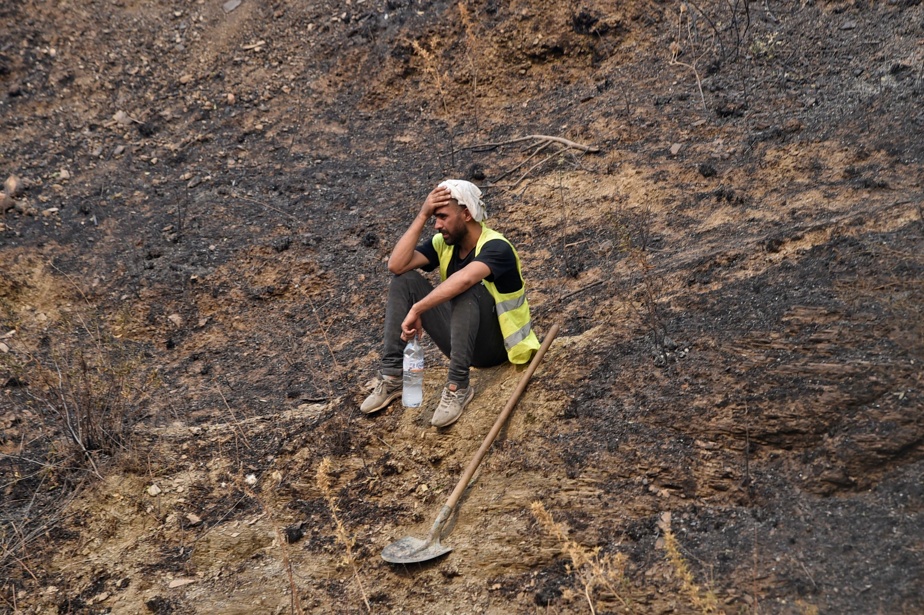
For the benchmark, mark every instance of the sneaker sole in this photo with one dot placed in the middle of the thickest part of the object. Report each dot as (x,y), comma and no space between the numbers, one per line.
(384,404)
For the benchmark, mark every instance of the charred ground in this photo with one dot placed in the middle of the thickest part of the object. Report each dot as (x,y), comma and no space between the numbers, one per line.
(192,265)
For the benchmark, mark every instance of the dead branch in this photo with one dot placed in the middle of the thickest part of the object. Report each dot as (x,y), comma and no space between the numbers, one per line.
(541,147)
(238,429)
(567,143)
(536,166)
(270,207)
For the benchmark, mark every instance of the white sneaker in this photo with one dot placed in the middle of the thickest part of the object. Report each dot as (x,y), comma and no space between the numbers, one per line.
(387,389)
(452,402)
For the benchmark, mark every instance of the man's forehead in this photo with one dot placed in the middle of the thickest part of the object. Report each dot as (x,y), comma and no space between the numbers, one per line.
(451,202)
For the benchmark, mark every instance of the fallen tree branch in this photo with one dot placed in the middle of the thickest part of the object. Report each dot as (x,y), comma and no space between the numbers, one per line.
(567,143)
(531,156)
(535,166)
(270,207)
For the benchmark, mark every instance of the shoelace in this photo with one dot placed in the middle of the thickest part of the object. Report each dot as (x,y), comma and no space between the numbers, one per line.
(449,396)
(382,387)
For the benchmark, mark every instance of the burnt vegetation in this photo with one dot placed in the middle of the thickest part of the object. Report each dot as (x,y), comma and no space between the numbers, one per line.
(720,202)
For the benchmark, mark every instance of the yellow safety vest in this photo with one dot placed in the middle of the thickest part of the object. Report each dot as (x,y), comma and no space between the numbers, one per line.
(512,308)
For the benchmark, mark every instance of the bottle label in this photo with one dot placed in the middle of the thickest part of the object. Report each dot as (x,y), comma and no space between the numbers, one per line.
(413,365)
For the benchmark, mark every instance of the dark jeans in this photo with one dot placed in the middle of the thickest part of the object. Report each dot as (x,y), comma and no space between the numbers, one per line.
(465,329)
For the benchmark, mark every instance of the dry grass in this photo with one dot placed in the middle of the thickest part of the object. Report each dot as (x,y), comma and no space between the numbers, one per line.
(603,576)
(685,32)
(595,572)
(295,605)
(432,68)
(702,599)
(348,542)
(92,395)
(80,394)
(471,45)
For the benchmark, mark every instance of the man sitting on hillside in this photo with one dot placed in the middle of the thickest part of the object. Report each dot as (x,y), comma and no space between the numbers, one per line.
(478,314)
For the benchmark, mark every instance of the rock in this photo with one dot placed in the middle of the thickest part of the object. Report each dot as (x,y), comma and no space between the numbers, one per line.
(675,149)
(230,5)
(294,533)
(193,519)
(181,582)
(154,491)
(4,348)
(99,598)
(13,186)
(6,202)
(176,319)
(251,479)
(792,125)
(121,118)
(707,170)
(24,208)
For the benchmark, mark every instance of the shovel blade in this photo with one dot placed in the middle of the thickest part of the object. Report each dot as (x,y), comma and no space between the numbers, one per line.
(410,550)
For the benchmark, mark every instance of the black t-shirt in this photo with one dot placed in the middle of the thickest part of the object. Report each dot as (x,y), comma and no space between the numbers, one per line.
(496,254)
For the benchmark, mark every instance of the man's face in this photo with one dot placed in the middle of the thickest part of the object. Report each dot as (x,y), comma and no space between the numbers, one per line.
(451,222)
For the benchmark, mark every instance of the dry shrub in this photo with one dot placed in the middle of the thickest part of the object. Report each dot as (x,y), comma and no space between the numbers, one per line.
(593,570)
(702,599)
(432,67)
(90,394)
(471,46)
(76,399)
(348,542)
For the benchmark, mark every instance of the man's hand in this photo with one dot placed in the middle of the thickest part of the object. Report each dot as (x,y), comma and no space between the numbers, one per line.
(440,197)
(404,257)
(411,325)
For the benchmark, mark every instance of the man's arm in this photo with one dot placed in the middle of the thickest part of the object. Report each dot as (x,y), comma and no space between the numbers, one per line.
(454,285)
(403,256)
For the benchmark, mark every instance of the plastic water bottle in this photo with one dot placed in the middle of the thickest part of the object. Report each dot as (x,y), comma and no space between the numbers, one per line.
(412,394)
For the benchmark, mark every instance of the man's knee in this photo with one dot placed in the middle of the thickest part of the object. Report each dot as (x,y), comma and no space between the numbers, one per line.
(477,294)
(408,277)
(407,281)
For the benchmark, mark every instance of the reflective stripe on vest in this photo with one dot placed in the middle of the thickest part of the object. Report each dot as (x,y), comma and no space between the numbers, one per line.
(518,336)
(512,308)
(510,304)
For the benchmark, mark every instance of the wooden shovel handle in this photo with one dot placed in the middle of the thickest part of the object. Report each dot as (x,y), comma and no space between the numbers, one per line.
(501,419)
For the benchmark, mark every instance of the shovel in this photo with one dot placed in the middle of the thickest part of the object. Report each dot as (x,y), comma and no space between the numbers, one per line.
(411,550)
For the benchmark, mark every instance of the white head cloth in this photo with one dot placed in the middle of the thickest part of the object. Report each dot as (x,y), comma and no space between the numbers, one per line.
(468,195)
